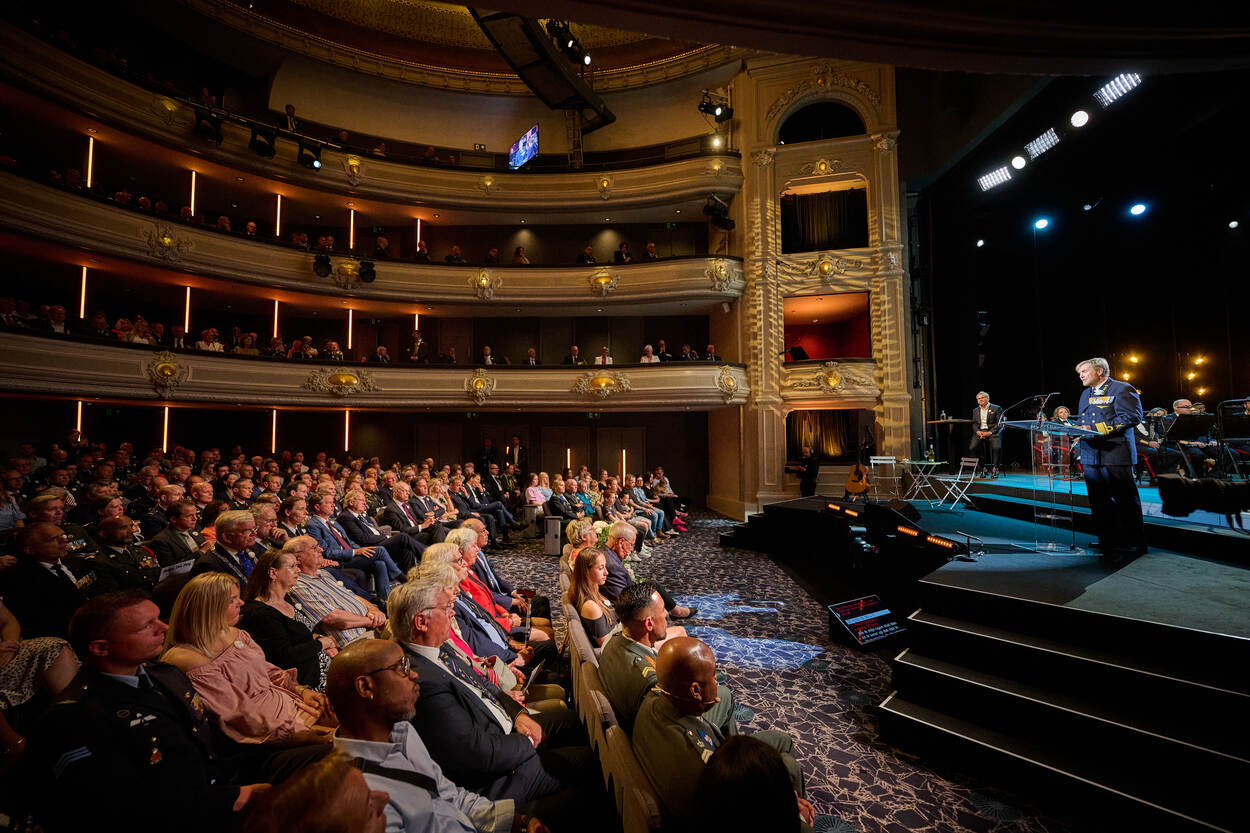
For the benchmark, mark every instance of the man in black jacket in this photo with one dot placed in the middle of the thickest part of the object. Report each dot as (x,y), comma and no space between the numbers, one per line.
(46,586)
(986,431)
(560,506)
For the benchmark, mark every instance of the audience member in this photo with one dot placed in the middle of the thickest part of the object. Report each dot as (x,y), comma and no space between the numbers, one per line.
(454,256)
(276,625)
(519,258)
(746,786)
(336,609)
(622,255)
(587,255)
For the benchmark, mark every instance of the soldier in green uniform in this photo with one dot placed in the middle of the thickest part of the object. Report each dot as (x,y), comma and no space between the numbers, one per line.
(128,564)
(673,739)
(627,665)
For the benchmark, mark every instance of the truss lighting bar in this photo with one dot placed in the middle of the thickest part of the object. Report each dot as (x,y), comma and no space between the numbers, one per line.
(1116,88)
(994,178)
(1042,143)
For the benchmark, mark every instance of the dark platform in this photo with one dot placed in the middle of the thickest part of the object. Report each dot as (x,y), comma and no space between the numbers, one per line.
(1119,694)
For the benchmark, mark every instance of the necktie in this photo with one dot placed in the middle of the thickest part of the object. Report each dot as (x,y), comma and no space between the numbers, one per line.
(190,541)
(490,575)
(465,673)
(342,542)
(368,522)
(408,514)
(482,615)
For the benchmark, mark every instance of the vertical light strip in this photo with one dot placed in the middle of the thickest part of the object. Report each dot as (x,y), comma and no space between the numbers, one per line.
(350,321)
(273,433)
(186,316)
(82,295)
(418,229)
(416,320)
(347,428)
(277,220)
(351,229)
(78,419)
(165,432)
(568,458)
(90,161)
(193,193)
(275,320)
(622,467)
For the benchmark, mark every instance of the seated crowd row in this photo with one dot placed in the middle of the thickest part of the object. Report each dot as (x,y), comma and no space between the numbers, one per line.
(303,606)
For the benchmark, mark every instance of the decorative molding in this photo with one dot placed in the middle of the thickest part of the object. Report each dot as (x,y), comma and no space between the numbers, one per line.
(166,373)
(166,109)
(163,244)
(823,77)
(352,166)
(822,167)
(884,141)
(603,281)
(341,381)
(488,184)
(484,284)
(718,273)
(764,158)
(829,267)
(601,383)
(479,385)
(727,382)
(836,377)
(604,183)
(346,274)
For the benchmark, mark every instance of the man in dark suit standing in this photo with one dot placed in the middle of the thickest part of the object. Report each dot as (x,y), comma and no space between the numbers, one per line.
(1113,409)
(419,352)
(574,357)
(987,431)
(488,454)
(517,454)
(484,740)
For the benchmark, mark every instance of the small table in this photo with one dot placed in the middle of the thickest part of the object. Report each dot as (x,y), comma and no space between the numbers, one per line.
(950,424)
(922,473)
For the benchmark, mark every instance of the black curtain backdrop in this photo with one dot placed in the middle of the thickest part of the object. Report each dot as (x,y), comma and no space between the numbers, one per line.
(832,220)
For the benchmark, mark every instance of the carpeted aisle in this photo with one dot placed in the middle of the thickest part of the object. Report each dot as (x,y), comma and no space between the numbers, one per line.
(772,640)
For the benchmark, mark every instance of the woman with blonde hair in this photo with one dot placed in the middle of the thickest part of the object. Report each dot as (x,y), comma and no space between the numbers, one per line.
(254,701)
(590,571)
(438,494)
(544,485)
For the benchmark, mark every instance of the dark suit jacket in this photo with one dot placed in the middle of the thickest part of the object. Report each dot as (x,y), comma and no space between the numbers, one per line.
(494,485)
(109,756)
(394,518)
(43,602)
(994,415)
(465,738)
(377,359)
(473,630)
(357,531)
(579,360)
(218,560)
(559,505)
(152,522)
(1119,409)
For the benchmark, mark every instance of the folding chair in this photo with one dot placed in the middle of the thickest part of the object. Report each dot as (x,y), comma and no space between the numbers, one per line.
(957,485)
(884,473)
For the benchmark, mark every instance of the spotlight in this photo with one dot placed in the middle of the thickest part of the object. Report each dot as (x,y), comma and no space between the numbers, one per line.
(1018,162)
(208,126)
(321,266)
(1116,88)
(1079,119)
(1041,223)
(716,141)
(718,213)
(310,156)
(717,108)
(1137,209)
(367,273)
(1087,207)
(980,244)
(1233,224)
(994,178)
(262,142)
(586,59)
(1042,143)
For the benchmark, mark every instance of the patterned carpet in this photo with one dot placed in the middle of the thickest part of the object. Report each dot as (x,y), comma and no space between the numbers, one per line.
(771,639)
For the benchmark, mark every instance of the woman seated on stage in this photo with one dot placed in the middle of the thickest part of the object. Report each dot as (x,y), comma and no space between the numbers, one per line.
(278,626)
(254,700)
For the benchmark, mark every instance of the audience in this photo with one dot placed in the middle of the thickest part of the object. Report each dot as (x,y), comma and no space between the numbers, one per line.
(281,629)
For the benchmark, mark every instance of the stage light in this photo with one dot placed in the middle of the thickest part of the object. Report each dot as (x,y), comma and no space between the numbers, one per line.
(1202,391)
(1137,209)
(1018,162)
(716,141)
(1079,119)
(1116,88)
(1124,376)
(1191,375)
(310,156)
(321,266)
(1087,207)
(367,272)
(208,126)
(586,59)
(1199,360)
(909,530)
(262,142)
(1042,143)
(994,178)
(980,244)
(717,108)
(1233,224)
(1041,223)
(1134,359)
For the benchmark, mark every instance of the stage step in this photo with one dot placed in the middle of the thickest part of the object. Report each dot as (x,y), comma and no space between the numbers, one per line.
(1056,773)
(1139,712)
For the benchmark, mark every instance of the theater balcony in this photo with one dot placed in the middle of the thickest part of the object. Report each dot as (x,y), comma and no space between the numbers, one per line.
(46,366)
(834,383)
(50,214)
(80,89)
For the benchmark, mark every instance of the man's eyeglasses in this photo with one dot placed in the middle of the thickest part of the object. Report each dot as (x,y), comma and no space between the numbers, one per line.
(447,608)
(403,667)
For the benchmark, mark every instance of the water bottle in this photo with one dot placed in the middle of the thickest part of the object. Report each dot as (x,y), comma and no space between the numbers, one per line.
(929,454)
(942,415)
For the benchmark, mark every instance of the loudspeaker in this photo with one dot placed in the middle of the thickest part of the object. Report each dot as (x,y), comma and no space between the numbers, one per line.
(902,507)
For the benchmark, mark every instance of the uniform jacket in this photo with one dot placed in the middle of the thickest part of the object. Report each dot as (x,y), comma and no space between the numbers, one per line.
(627,670)
(1112,409)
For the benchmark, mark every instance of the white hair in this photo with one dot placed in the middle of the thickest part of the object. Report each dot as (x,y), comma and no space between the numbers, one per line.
(409,599)
(621,529)
(1101,364)
(461,538)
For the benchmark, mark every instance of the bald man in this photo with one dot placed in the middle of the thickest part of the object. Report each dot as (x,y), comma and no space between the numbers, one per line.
(672,738)
(374,694)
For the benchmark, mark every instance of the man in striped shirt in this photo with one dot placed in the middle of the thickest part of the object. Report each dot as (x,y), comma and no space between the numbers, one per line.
(337,611)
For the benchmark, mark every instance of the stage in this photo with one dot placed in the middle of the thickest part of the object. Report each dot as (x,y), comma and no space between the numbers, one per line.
(1120,692)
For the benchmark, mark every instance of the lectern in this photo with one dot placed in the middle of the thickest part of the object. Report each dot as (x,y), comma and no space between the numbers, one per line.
(1054,529)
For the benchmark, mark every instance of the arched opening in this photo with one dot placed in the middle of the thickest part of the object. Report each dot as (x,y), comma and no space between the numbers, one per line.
(822,120)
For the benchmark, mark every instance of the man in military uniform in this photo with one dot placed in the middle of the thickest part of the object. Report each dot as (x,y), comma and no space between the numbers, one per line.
(129,745)
(673,739)
(1113,409)
(627,665)
(157,517)
(127,564)
(49,508)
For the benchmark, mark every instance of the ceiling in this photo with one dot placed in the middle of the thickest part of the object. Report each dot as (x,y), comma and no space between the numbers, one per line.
(829,308)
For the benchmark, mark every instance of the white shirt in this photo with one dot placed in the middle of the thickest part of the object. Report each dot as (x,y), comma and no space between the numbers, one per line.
(603,360)
(649,359)
(985,415)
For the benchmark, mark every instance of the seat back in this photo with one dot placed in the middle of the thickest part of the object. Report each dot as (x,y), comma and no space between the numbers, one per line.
(885,477)
(636,800)
(594,707)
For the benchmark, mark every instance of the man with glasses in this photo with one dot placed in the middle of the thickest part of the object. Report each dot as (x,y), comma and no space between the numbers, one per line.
(339,611)
(236,532)
(374,692)
(46,586)
(483,739)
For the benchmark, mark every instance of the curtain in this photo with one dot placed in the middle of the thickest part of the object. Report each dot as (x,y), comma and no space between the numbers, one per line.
(831,434)
(832,220)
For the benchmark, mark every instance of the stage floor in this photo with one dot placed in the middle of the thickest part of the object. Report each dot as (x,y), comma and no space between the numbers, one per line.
(1162,586)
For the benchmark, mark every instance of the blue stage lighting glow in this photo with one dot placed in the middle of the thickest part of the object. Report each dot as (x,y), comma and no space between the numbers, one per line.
(1137,209)
(1041,223)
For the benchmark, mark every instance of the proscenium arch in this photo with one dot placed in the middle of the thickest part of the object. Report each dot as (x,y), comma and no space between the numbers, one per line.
(861,107)
(821,121)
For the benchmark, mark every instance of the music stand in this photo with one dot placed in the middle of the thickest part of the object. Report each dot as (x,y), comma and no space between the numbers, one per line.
(1234,427)
(1187,428)
(1051,519)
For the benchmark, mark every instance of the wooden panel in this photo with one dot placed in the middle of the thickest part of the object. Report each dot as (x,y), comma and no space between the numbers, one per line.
(610,442)
(561,444)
